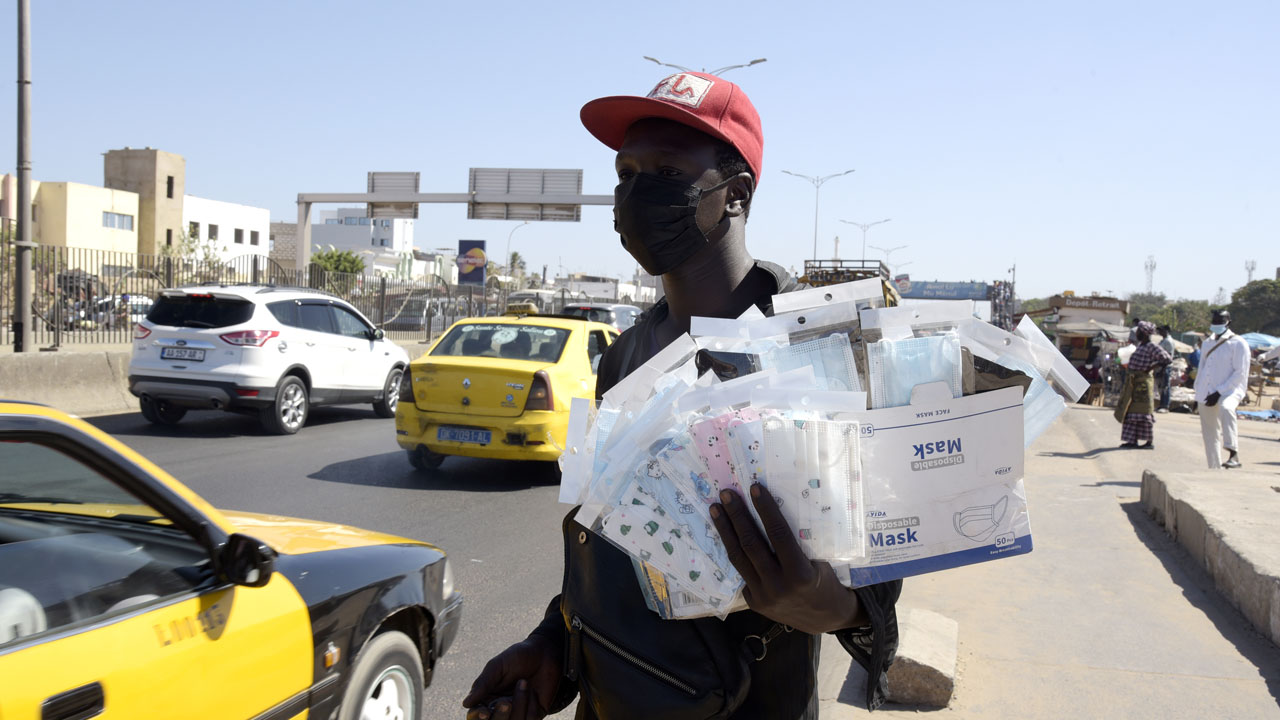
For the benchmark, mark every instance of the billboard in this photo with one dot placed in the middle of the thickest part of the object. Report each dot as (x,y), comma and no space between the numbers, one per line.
(543,191)
(471,262)
(921,290)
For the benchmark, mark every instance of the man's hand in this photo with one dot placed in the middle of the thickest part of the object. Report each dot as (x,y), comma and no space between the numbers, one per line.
(517,684)
(782,584)
(1212,399)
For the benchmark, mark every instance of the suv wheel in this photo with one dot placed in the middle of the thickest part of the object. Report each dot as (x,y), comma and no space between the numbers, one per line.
(288,413)
(160,412)
(386,407)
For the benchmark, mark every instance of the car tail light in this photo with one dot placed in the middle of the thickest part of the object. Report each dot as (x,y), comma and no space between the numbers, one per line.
(406,386)
(140,331)
(540,393)
(249,338)
(244,392)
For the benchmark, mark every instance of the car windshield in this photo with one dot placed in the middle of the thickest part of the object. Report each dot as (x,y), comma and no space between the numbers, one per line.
(504,340)
(600,315)
(200,311)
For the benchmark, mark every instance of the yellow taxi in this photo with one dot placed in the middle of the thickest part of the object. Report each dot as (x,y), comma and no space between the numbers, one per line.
(123,594)
(499,387)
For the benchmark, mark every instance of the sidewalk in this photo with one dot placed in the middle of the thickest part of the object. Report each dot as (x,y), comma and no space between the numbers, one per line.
(1108,617)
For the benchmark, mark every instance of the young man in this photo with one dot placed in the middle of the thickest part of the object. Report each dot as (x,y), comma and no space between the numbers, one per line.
(1220,386)
(688,163)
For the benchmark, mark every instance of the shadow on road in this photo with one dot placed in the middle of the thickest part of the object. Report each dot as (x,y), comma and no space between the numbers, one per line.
(207,424)
(1197,588)
(1120,483)
(392,470)
(1086,455)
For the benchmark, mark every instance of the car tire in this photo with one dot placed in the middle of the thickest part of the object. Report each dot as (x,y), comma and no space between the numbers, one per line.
(423,460)
(288,413)
(387,677)
(161,412)
(386,407)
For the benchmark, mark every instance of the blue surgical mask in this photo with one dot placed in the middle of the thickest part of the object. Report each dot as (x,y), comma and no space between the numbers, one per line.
(831,358)
(1218,329)
(895,367)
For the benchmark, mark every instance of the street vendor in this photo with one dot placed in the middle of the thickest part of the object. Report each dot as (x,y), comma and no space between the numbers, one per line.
(688,164)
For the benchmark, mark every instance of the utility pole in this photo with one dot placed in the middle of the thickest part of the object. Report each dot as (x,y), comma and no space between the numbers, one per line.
(1249,267)
(24,282)
(1150,265)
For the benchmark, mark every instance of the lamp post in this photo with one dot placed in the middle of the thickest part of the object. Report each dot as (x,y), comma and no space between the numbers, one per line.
(889,251)
(724,69)
(506,262)
(817,188)
(864,227)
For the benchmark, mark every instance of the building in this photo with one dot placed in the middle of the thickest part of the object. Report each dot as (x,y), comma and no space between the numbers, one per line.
(230,229)
(67,214)
(385,244)
(159,180)
(282,243)
(142,209)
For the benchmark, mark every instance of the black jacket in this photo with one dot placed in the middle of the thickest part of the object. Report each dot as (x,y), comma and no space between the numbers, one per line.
(628,662)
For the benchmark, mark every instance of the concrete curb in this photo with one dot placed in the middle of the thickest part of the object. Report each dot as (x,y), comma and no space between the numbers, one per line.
(1226,522)
(80,383)
(924,673)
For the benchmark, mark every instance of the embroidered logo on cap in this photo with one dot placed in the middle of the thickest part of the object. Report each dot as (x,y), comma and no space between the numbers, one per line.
(684,89)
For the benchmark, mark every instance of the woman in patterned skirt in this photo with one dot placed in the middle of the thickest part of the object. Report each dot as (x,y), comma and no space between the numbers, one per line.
(1137,400)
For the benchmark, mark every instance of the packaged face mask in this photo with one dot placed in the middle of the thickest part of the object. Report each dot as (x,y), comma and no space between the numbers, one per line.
(830,357)
(1041,406)
(813,470)
(904,321)
(896,367)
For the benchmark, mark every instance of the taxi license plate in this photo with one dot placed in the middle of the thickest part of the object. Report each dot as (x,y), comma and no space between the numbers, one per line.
(463,435)
(177,353)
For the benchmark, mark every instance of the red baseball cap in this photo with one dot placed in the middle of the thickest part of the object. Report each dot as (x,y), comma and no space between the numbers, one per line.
(703,102)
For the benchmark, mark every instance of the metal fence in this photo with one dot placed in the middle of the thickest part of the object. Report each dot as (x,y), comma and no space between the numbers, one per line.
(88,297)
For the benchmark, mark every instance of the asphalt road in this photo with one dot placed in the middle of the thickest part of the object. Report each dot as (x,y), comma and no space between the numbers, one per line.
(498,521)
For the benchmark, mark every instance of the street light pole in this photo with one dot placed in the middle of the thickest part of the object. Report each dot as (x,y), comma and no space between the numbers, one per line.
(24,282)
(864,227)
(717,71)
(817,189)
(507,261)
(889,251)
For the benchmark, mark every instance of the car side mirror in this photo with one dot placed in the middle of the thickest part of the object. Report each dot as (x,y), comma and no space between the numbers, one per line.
(247,561)
(377,334)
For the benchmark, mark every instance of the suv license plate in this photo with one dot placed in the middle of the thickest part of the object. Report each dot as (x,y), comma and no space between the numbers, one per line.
(177,353)
(463,435)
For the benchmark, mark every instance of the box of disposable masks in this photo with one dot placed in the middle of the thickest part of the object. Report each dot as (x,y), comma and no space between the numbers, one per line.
(942,481)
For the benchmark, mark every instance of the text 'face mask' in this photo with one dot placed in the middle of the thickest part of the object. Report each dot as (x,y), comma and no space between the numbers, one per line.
(657,220)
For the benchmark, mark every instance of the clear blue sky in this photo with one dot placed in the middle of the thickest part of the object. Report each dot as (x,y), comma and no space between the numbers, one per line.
(1075,138)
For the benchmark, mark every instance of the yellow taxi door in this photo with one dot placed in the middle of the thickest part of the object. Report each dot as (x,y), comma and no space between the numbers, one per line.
(233,652)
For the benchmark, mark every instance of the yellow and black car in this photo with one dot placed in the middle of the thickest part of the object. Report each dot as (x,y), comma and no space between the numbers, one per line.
(123,594)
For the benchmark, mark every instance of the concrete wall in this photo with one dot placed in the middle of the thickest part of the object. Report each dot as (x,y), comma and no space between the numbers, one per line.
(147,173)
(228,217)
(282,243)
(82,383)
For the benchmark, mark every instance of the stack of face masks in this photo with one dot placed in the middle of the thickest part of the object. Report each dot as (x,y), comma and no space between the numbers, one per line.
(756,400)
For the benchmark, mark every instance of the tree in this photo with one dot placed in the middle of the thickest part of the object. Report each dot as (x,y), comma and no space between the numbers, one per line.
(335,260)
(1032,304)
(1183,315)
(1145,305)
(1256,307)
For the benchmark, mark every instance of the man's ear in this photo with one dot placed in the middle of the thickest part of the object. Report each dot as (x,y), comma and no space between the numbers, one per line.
(737,199)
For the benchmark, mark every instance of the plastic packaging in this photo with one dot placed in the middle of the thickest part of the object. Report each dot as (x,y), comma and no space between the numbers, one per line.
(896,367)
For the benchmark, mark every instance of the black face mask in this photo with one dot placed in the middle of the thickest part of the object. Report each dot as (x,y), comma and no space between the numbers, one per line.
(657,219)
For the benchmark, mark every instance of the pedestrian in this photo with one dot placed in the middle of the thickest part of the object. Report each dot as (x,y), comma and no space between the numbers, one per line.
(1164,375)
(1220,386)
(688,165)
(1136,398)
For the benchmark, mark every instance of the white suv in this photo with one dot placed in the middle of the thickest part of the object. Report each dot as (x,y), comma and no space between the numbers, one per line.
(271,350)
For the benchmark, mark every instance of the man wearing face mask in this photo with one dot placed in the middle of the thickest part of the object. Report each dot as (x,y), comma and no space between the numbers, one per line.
(688,163)
(1220,386)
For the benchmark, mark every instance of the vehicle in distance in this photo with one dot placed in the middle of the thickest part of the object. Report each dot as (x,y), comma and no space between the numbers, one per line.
(619,316)
(499,388)
(124,594)
(273,351)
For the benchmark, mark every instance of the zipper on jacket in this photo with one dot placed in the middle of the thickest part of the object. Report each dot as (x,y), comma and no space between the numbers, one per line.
(581,627)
